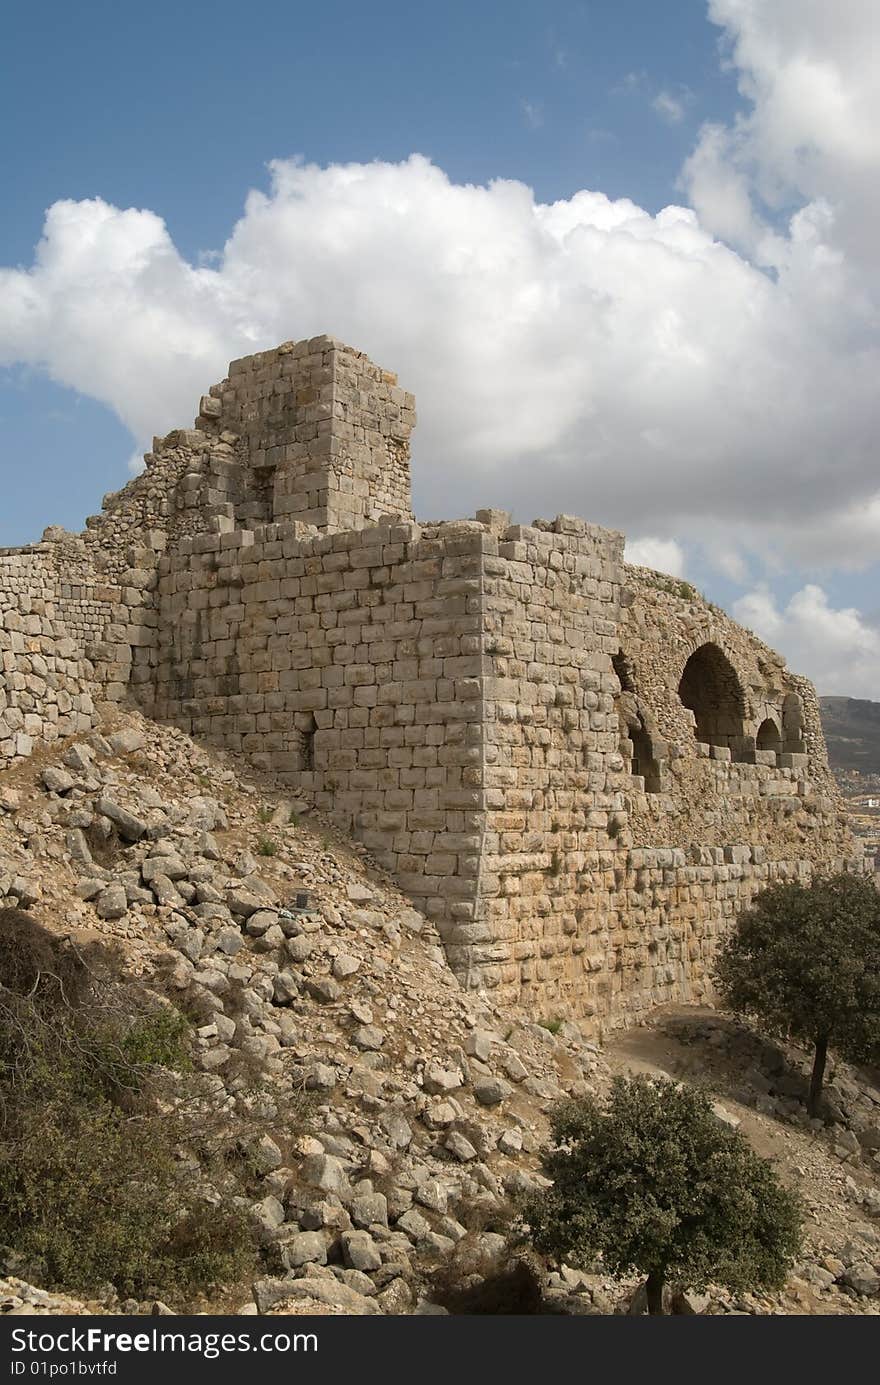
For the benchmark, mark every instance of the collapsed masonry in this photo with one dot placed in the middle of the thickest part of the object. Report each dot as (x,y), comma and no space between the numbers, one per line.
(579,769)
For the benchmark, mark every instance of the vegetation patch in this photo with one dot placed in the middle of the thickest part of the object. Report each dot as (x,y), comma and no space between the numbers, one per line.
(805,960)
(92,1127)
(656,1184)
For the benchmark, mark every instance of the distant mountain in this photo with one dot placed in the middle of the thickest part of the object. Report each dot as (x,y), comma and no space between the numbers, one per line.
(852,730)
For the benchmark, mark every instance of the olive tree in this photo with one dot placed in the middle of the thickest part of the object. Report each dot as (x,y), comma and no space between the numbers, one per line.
(805,961)
(658,1185)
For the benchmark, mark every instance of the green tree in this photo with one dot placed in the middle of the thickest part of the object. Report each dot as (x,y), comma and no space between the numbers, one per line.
(805,961)
(658,1185)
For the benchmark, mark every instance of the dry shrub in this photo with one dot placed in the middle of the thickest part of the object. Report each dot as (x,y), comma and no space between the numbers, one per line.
(96,1101)
(32,959)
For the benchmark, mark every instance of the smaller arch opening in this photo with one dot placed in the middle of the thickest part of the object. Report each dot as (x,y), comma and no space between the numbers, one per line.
(644,763)
(768,737)
(306,727)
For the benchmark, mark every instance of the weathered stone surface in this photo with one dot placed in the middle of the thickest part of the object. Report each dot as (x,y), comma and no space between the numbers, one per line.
(57,780)
(432,1194)
(863,1279)
(415,1225)
(79,758)
(360,1251)
(125,741)
(344,965)
(437,1080)
(303,1248)
(245,903)
(397,1128)
(490,1091)
(369,1208)
(368,1037)
(165,891)
(260,921)
(460,1147)
(323,988)
(268,1214)
(267,1155)
(112,902)
(325,1172)
(130,827)
(269,1293)
(169,866)
(321,1077)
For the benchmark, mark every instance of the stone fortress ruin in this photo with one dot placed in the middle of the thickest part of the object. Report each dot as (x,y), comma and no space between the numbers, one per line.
(579,769)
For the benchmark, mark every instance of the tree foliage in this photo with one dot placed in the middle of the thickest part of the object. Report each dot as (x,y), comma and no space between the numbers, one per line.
(805,960)
(659,1186)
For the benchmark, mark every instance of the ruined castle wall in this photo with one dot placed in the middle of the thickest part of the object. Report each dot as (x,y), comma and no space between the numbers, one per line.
(349,664)
(609,878)
(77,611)
(460,697)
(51,610)
(551,602)
(581,770)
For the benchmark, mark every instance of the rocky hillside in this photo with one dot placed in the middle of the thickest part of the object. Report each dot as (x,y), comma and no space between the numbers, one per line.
(302,963)
(852,732)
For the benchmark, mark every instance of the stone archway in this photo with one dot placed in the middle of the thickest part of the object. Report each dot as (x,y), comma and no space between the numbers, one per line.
(769,736)
(710,688)
(642,750)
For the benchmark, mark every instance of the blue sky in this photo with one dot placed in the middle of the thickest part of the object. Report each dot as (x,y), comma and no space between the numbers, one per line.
(179,107)
(178,112)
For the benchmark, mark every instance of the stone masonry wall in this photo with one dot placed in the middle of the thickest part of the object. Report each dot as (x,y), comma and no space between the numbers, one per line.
(349,664)
(580,770)
(77,616)
(604,892)
(450,693)
(49,613)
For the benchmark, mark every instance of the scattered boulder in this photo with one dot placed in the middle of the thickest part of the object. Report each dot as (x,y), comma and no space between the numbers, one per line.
(112,902)
(130,827)
(56,780)
(491,1091)
(125,741)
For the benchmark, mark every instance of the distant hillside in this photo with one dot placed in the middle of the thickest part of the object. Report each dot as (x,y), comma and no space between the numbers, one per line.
(852,730)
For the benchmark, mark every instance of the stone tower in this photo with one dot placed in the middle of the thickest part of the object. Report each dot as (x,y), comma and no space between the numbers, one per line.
(325,434)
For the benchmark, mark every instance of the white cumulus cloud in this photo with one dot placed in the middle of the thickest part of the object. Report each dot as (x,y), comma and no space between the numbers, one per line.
(580,356)
(841,648)
(808,70)
(706,375)
(664,555)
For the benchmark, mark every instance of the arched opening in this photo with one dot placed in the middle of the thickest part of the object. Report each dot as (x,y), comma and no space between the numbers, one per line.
(710,688)
(768,737)
(644,761)
(623,669)
(793,725)
(637,745)
(306,727)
